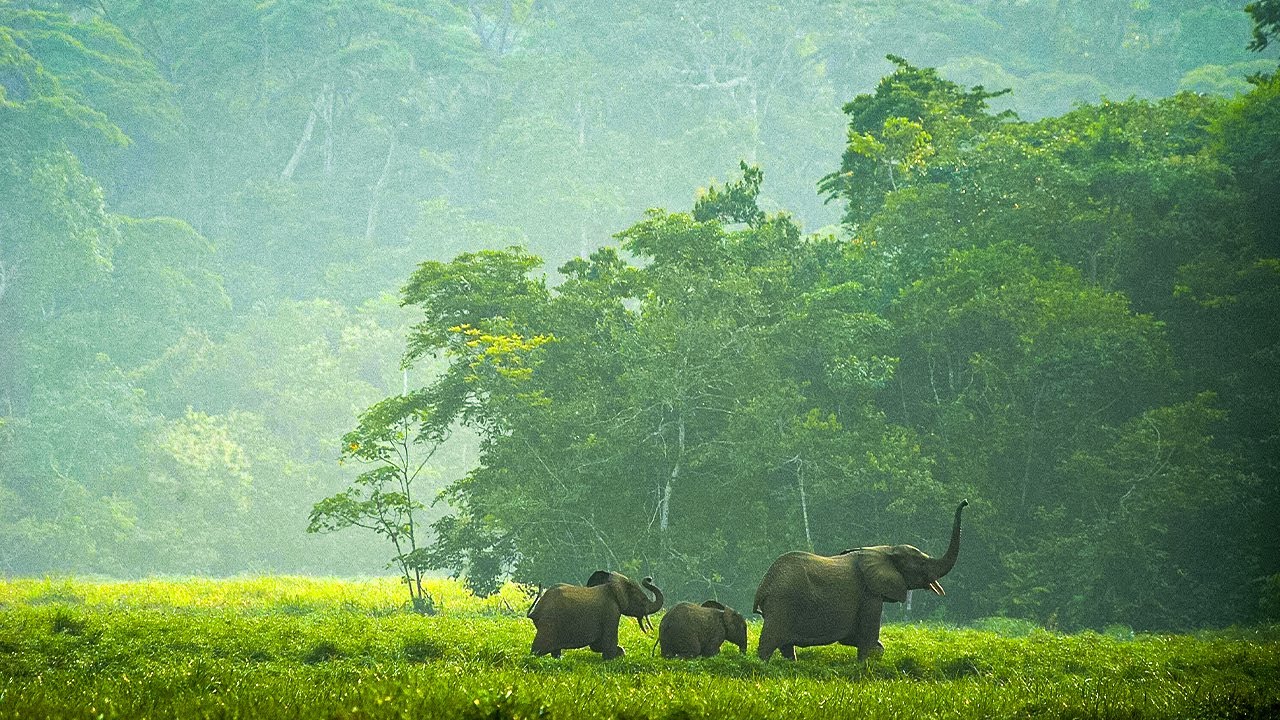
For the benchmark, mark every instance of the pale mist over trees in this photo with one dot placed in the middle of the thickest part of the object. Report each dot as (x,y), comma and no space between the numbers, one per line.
(877,283)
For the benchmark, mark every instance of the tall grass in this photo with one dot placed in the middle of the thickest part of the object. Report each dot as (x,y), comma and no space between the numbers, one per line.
(257,593)
(300,647)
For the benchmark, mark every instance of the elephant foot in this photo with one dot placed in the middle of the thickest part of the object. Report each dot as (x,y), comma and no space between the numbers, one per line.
(616,652)
(765,652)
(870,652)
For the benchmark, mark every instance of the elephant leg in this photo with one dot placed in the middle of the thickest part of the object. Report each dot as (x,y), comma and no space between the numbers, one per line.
(788,652)
(607,645)
(768,643)
(552,651)
(869,653)
(866,634)
(609,650)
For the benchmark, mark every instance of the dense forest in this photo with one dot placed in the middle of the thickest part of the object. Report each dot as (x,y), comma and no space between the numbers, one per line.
(1020,252)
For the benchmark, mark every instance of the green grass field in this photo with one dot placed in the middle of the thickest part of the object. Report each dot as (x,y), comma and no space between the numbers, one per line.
(315,648)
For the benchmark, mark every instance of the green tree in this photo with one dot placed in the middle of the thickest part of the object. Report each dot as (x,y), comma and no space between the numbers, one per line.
(382,499)
(913,115)
(1008,365)
(1137,537)
(1266,22)
(70,463)
(663,431)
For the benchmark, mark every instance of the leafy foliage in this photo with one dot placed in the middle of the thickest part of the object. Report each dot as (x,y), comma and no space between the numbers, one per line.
(1266,22)
(381,499)
(999,326)
(206,209)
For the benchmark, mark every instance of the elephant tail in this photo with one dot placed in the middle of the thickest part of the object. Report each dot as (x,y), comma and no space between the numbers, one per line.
(762,593)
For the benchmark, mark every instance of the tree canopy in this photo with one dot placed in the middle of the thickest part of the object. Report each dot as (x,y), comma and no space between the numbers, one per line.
(237,238)
(1004,321)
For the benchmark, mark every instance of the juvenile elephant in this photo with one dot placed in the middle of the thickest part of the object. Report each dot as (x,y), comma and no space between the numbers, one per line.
(574,616)
(690,631)
(809,599)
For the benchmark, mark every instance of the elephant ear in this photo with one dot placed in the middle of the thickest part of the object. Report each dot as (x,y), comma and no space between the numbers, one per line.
(881,575)
(713,605)
(729,617)
(599,577)
(621,595)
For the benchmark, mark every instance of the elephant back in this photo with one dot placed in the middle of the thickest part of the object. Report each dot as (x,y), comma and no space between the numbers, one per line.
(781,568)
(537,608)
(799,574)
(679,613)
(557,597)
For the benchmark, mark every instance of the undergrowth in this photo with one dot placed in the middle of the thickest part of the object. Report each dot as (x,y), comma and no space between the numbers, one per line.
(303,647)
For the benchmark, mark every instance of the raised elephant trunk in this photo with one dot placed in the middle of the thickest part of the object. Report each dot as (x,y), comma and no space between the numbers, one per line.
(941,566)
(654,606)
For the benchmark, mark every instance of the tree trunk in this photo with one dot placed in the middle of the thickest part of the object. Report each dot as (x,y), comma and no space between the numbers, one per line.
(665,511)
(372,222)
(804,506)
(5,271)
(301,148)
(326,113)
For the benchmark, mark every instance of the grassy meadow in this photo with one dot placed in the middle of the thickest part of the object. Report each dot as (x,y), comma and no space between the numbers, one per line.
(320,648)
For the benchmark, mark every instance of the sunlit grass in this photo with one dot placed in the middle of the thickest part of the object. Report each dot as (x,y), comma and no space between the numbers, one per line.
(278,593)
(305,647)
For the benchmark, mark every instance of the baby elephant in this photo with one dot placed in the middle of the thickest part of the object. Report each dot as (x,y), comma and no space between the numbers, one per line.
(690,631)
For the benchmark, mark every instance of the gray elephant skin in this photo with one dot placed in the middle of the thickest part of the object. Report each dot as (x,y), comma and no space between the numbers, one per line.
(809,599)
(576,616)
(692,631)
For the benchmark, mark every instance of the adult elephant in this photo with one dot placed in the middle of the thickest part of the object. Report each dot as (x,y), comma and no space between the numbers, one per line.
(809,599)
(692,631)
(576,616)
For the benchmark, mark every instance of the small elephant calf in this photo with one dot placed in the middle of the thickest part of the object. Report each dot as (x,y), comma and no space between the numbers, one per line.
(690,631)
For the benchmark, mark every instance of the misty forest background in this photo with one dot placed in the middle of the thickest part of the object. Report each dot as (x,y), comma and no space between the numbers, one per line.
(224,225)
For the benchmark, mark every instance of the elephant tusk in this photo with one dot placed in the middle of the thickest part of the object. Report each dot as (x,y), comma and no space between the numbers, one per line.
(934,586)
